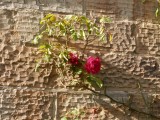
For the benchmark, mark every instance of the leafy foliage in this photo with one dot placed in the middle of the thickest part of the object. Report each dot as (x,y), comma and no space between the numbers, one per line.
(54,45)
(74,114)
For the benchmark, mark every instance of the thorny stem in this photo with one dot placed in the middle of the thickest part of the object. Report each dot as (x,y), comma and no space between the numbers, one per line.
(60,71)
(92,40)
(67,42)
(85,46)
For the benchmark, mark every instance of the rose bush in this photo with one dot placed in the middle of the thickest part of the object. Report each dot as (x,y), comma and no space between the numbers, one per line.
(54,47)
(53,42)
(93,65)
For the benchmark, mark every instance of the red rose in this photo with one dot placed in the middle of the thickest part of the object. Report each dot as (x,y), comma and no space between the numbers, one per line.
(73,59)
(92,65)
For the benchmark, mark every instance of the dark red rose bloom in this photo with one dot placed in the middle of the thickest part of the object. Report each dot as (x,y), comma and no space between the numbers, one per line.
(73,59)
(93,65)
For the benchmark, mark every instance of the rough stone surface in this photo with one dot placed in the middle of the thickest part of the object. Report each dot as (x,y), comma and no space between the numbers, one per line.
(132,57)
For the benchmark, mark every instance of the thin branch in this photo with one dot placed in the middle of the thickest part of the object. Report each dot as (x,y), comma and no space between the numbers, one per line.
(85,46)
(92,40)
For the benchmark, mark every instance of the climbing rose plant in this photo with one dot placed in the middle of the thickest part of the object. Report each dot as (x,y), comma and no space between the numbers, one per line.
(56,46)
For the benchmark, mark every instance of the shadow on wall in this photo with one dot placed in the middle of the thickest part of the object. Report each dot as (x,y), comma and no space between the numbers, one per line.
(129,77)
(133,80)
(140,94)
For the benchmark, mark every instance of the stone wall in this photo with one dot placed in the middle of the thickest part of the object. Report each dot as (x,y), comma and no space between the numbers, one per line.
(133,56)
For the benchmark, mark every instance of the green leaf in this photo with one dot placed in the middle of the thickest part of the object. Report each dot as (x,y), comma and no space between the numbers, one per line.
(143,1)
(94,80)
(37,65)
(64,56)
(82,34)
(49,51)
(110,37)
(105,20)
(68,17)
(46,58)
(102,37)
(42,47)
(42,21)
(36,39)
(60,56)
(83,19)
(79,71)
(75,36)
(157,11)
(75,112)
(50,31)
(48,19)
(48,15)
(99,83)
(61,26)
(139,86)
(46,48)
(53,18)
(64,118)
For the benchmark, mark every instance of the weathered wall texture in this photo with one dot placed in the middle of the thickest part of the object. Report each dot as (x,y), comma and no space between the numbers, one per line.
(133,56)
